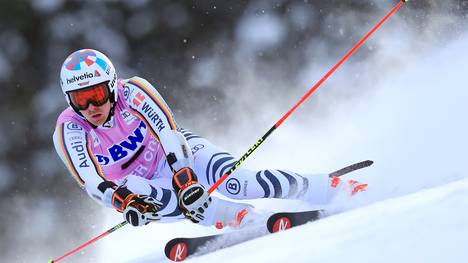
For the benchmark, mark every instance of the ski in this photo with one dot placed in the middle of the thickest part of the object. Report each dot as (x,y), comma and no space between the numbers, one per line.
(351,168)
(178,249)
(283,221)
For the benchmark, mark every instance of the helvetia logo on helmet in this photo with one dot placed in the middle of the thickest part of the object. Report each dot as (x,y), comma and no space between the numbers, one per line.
(83,76)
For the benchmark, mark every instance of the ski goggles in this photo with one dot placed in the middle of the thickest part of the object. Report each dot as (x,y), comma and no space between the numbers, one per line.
(97,95)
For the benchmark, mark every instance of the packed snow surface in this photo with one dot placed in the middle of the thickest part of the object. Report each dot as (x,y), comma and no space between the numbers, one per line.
(412,123)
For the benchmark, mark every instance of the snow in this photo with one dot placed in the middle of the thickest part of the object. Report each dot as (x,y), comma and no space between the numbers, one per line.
(428,226)
(413,125)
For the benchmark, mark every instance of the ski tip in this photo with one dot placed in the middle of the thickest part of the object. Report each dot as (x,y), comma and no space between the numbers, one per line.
(351,168)
(178,252)
(285,220)
(280,224)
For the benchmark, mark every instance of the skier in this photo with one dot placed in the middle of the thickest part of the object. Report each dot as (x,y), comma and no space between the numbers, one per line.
(121,143)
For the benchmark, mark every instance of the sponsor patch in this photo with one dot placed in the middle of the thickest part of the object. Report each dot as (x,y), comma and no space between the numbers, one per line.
(125,148)
(197,147)
(126,92)
(233,186)
(127,116)
(74,127)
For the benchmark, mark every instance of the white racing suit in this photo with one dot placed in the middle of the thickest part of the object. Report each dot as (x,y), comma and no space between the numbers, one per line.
(132,148)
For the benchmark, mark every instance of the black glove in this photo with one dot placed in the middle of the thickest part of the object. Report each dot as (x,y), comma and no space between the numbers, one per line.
(137,209)
(193,198)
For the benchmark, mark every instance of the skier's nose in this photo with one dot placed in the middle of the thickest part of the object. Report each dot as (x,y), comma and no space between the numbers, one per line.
(92,108)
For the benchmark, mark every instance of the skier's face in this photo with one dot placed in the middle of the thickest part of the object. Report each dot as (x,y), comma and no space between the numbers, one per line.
(97,115)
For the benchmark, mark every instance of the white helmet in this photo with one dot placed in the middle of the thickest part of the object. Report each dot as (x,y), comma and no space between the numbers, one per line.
(85,68)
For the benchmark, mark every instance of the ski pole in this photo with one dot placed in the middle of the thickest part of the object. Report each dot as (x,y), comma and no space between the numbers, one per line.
(305,97)
(89,242)
(263,138)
